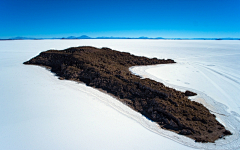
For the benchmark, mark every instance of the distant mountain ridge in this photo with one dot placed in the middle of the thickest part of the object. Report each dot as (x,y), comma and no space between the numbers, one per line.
(106,37)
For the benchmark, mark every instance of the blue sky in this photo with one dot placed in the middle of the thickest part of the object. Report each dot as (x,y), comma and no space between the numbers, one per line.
(129,18)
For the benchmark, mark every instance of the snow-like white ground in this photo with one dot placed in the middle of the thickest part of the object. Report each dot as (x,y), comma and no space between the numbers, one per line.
(38,111)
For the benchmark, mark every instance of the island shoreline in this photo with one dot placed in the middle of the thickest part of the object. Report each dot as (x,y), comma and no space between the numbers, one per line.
(169,124)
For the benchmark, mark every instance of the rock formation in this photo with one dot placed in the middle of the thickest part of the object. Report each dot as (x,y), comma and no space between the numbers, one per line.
(108,70)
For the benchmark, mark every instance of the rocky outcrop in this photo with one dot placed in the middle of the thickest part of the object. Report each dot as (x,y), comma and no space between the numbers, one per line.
(108,70)
(189,93)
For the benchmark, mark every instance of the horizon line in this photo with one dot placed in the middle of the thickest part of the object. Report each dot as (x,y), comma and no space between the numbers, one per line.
(115,37)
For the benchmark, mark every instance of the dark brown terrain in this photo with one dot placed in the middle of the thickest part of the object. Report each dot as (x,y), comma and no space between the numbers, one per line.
(108,70)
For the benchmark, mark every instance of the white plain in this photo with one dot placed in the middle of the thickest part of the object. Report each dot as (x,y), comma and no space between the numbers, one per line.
(38,111)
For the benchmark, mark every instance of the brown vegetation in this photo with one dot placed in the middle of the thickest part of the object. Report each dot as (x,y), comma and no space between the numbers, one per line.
(108,70)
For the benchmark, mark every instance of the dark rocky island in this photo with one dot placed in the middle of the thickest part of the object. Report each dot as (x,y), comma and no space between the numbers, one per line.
(108,70)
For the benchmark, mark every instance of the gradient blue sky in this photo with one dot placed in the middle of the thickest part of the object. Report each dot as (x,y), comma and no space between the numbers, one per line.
(129,18)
